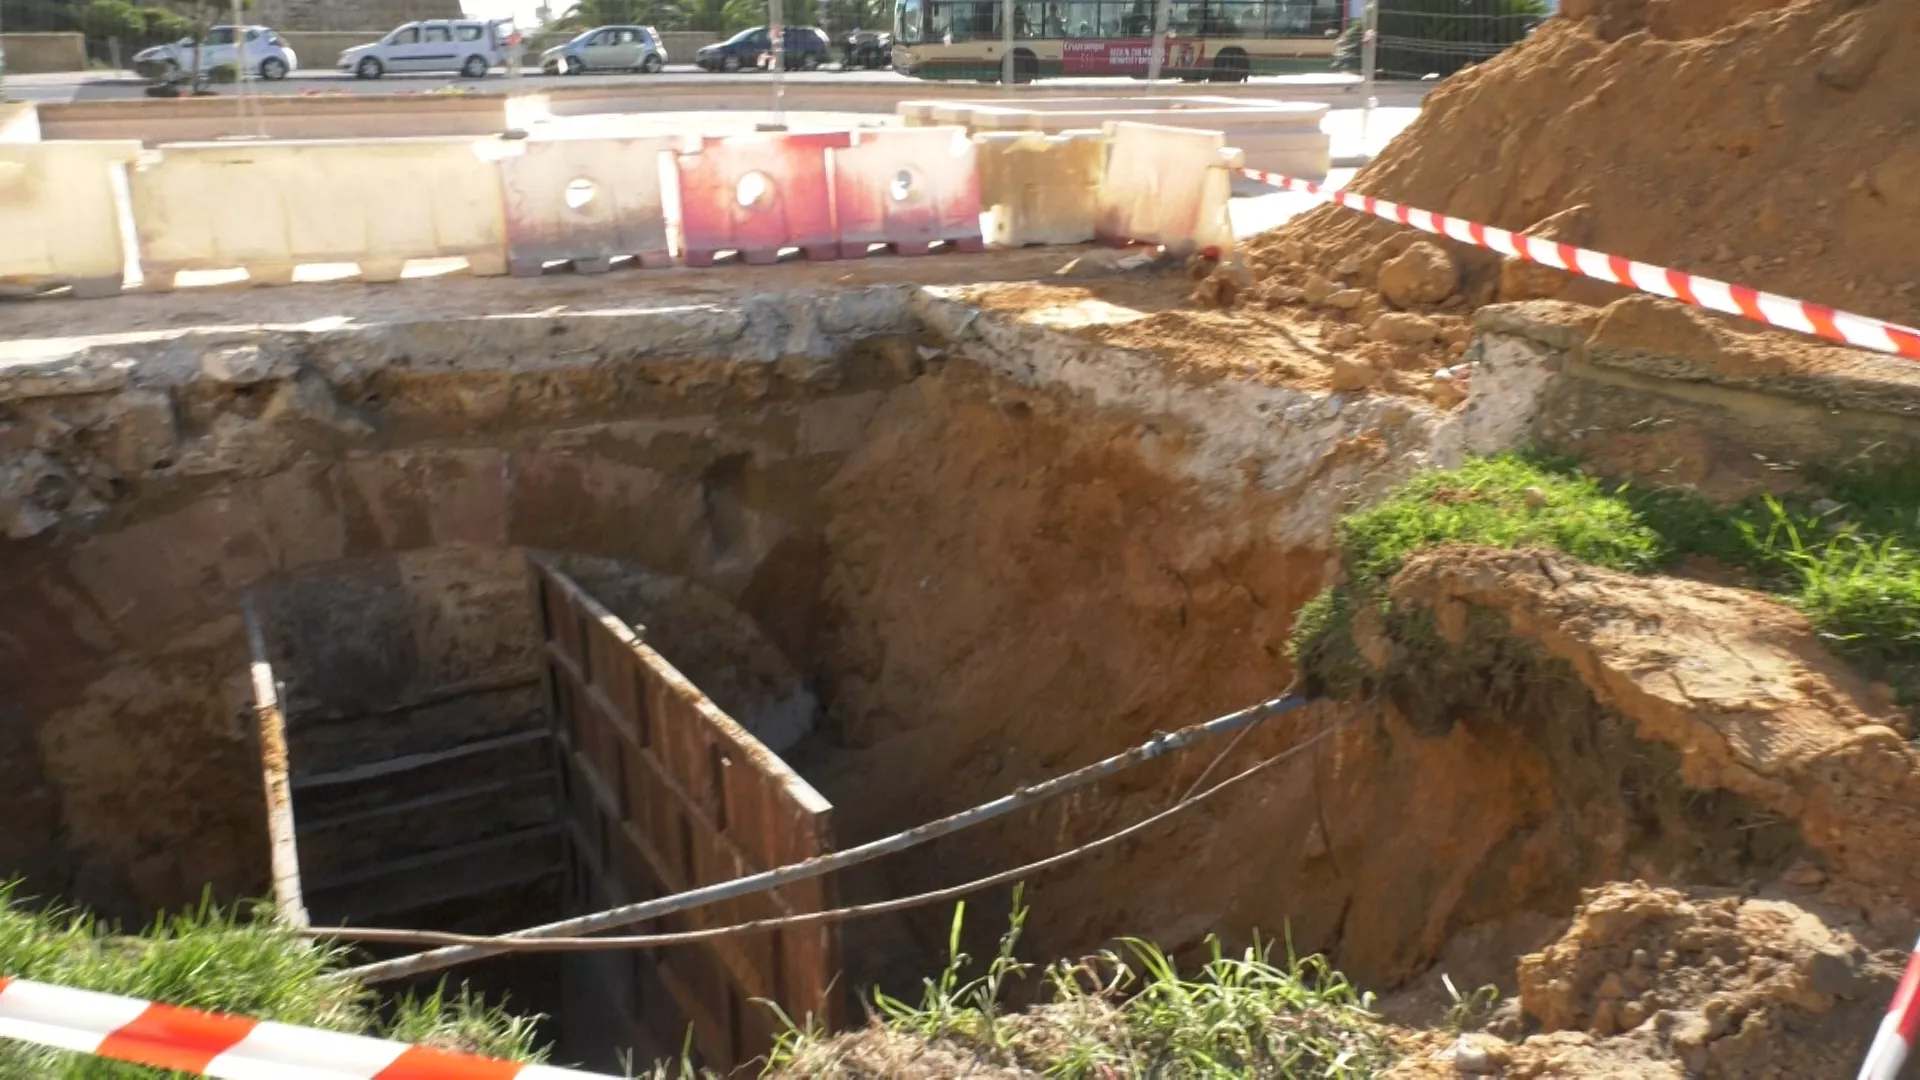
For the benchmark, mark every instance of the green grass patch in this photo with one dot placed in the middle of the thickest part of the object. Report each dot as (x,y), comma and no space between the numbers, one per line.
(1506,502)
(1125,1013)
(227,961)
(1846,553)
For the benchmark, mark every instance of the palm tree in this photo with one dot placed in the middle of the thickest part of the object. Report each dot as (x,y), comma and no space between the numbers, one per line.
(718,16)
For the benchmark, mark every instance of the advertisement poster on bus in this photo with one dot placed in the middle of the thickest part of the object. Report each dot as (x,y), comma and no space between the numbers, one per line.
(1127,57)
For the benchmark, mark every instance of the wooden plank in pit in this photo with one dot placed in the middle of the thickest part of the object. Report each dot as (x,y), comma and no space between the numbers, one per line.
(664,792)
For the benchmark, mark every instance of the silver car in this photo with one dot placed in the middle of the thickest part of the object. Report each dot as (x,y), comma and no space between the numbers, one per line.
(607,48)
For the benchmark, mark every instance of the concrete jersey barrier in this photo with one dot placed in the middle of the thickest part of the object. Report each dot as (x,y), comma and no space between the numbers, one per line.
(270,207)
(58,220)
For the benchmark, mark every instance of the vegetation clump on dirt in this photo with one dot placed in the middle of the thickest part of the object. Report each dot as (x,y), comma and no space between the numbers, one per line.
(1845,551)
(1126,1013)
(225,961)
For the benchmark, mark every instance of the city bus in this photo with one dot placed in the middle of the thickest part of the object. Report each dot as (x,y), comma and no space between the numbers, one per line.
(1221,40)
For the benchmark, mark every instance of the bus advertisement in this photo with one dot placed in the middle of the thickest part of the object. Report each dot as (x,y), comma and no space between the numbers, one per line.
(1221,40)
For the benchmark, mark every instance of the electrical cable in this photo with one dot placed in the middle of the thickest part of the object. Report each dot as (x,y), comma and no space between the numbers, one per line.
(1158,746)
(519,944)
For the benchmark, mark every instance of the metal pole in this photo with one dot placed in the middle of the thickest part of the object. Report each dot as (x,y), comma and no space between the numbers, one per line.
(1369,52)
(1161,745)
(239,71)
(1006,43)
(1162,12)
(776,37)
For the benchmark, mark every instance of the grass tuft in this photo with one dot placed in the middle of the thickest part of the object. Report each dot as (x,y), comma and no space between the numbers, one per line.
(232,961)
(1847,553)
(1122,1014)
(1507,501)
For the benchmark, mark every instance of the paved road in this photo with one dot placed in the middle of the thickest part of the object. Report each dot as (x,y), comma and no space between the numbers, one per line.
(98,86)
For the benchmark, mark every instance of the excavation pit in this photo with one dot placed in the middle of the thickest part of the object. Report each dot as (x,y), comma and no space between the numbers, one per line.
(928,543)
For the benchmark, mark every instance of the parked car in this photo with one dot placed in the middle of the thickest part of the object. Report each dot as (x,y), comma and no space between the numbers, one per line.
(607,48)
(267,54)
(806,49)
(471,47)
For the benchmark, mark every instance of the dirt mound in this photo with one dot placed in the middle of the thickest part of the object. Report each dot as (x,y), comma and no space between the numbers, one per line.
(1738,684)
(1767,142)
(1665,982)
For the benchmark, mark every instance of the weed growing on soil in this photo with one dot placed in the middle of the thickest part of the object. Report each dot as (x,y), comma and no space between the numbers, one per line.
(1847,554)
(1111,1016)
(1506,502)
(212,959)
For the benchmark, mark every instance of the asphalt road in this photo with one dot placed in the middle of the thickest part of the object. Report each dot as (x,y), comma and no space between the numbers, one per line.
(99,86)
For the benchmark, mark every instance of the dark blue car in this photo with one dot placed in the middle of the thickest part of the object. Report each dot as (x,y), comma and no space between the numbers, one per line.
(806,49)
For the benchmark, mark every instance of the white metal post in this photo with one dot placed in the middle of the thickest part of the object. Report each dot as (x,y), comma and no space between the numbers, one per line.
(776,37)
(1006,43)
(1369,52)
(1162,13)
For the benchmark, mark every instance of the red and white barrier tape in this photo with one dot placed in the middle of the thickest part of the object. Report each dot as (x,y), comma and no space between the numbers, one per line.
(1703,292)
(209,1044)
(1897,1032)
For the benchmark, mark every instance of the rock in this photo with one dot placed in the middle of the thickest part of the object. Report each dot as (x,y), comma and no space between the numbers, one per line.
(1217,290)
(1350,374)
(1422,274)
(1104,261)
(1523,280)
(1447,392)
(1848,64)
(1349,266)
(144,435)
(1403,328)
(1341,337)
(1833,972)
(1346,299)
(1536,499)
(241,365)
(1274,295)
(1316,289)
(1478,1055)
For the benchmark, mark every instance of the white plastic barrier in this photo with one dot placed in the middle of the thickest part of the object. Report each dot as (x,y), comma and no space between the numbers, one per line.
(908,189)
(1168,186)
(1039,189)
(586,201)
(269,207)
(758,195)
(19,122)
(58,221)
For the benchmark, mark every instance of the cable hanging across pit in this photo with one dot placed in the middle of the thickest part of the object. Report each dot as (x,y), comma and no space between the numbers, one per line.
(1159,746)
(526,942)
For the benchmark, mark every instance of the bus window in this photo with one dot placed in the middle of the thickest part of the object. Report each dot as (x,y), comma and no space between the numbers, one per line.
(907,25)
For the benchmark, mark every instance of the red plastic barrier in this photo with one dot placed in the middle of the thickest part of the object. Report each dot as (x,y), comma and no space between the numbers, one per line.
(907,188)
(758,194)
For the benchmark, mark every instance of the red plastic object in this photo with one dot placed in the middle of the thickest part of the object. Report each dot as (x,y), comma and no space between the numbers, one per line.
(759,194)
(907,188)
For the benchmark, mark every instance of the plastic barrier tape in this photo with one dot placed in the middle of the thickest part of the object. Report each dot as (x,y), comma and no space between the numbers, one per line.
(1897,1032)
(188,1040)
(1761,307)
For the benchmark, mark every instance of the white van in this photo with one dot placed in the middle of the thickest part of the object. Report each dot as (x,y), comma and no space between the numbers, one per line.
(471,47)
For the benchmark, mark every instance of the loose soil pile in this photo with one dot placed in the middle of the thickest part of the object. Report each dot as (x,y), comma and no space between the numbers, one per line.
(1774,143)
(1767,142)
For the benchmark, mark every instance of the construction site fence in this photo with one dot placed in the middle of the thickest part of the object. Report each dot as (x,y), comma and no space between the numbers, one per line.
(526,205)
(1432,39)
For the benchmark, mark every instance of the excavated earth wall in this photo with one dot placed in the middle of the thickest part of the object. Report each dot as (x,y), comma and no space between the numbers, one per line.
(936,552)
